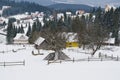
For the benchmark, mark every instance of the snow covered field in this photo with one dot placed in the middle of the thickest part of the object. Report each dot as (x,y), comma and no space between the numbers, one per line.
(37,69)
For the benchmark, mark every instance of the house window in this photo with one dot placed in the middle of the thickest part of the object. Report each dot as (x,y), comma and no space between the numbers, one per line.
(70,44)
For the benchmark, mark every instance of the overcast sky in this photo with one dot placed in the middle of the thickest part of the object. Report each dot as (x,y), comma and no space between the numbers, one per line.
(88,2)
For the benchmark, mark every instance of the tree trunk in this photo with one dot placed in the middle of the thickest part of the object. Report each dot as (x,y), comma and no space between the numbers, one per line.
(56,55)
(97,48)
(38,51)
(83,46)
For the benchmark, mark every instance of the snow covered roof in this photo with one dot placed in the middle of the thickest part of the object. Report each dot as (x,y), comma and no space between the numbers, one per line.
(71,37)
(86,14)
(3,32)
(39,40)
(59,15)
(19,16)
(108,7)
(69,13)
(4,19)
(21,36)
(80,12)
(110,41)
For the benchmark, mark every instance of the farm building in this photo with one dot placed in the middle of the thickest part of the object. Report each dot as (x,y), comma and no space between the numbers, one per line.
(20,39)
(41,43)
(110,41)
(72,40)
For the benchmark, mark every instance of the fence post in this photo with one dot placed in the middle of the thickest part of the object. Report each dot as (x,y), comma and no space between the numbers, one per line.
(117,58)
(101,59)
(60,61)
(105,55)
(73,60)
(88,59)
(24,62)
(4,65)
(48,62)
(99,54)
(3,52)
(112,56)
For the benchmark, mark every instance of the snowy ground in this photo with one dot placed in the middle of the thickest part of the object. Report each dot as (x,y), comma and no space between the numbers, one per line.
(37,69)
(2,39)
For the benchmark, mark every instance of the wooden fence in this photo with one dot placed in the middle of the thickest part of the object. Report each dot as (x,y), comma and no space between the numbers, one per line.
(17,63)
(108,58)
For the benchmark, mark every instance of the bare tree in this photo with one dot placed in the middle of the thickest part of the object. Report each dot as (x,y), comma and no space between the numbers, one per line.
(54,38)
(96,35)
(92,34)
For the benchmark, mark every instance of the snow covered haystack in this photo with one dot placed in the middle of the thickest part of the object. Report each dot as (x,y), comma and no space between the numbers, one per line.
(57,56)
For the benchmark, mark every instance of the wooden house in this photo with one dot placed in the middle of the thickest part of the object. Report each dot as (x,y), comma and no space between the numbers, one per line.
(110,41)
(41,43)
(20,39)
(72,40)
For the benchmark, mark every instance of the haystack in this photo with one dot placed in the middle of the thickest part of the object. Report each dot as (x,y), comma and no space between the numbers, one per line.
(58,55)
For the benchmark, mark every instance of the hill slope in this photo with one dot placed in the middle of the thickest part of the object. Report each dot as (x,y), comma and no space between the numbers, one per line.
(62,6)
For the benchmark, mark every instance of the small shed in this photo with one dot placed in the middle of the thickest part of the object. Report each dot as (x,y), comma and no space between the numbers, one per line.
(21,39)
(110,41)
(41,43)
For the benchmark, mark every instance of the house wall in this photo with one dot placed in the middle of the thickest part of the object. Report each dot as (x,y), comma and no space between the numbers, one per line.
(72,44)
(20,41)
(43,45)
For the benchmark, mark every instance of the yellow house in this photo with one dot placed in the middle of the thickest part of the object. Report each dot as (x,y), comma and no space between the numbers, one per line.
(72,40)
(72,44)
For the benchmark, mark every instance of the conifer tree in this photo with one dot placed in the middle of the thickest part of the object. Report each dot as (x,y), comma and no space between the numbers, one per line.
(29,31)
(10,32)
(14,31)
(21,29)
(34,34)
(38,25)
(34,28)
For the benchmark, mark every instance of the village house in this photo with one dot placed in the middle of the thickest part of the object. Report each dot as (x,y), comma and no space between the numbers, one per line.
(41,43)
(80,12)
(110,41)
(72,40)
(1,21)
(109,7)
(68,14)
(60,16)
(20,39)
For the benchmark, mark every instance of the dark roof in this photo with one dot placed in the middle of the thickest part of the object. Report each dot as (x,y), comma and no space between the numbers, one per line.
(57,56)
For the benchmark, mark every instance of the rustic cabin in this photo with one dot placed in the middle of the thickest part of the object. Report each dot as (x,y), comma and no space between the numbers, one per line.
(41,43)
(21,39)
(72,40)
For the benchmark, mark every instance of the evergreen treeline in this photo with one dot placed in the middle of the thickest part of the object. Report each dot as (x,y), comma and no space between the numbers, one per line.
(12,31)
(109,20)
(34,33)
